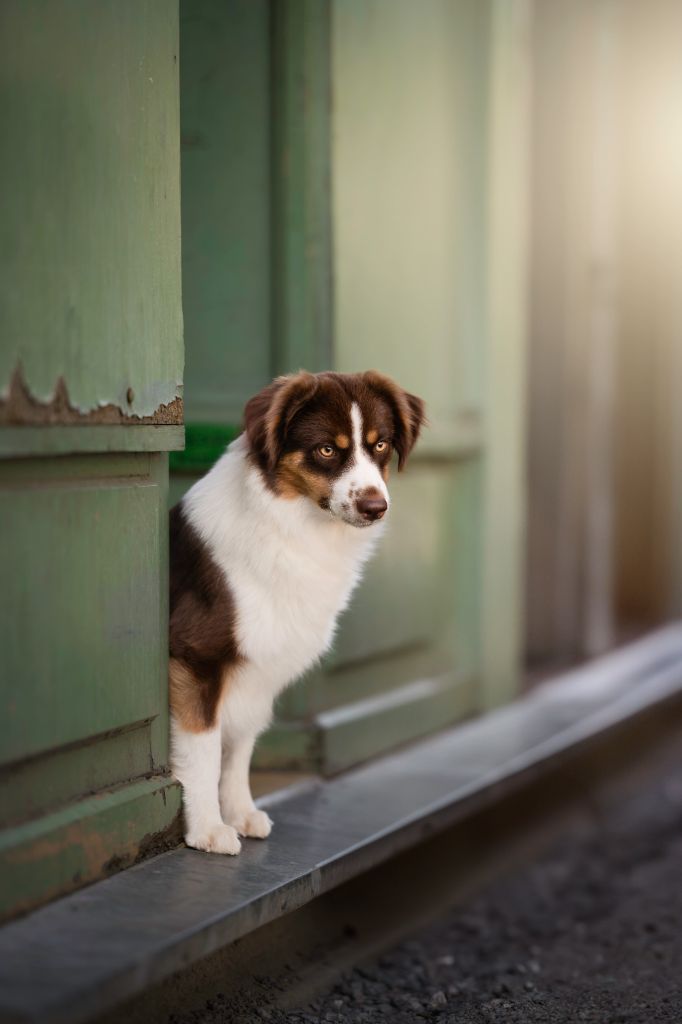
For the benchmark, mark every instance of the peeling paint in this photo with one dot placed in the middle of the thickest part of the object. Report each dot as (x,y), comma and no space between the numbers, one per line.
(74,853)
(93,848)
(21,408)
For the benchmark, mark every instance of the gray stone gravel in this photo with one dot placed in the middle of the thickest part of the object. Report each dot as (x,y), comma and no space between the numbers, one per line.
(590,932)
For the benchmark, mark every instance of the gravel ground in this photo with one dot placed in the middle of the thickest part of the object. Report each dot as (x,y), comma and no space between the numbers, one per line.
(591,931)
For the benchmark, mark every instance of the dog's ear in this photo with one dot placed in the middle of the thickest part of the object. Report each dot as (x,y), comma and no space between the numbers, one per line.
(408,412)
(268,415)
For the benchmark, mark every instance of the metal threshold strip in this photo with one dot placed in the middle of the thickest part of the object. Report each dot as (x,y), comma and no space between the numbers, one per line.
(82,955)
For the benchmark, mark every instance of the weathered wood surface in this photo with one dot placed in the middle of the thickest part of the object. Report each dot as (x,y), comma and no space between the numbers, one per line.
(83,654)
(90,254)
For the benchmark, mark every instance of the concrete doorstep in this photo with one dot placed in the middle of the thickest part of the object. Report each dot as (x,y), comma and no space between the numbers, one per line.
(89,952)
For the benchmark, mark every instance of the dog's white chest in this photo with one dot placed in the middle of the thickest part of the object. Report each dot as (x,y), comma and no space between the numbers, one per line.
(290,569)
(286,617)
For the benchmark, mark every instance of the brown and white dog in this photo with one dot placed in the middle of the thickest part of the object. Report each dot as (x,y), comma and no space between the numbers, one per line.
(265,551)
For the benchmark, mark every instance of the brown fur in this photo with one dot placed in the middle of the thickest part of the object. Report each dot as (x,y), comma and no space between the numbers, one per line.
(269,413)
(294,479)
(203,648)
(186,697)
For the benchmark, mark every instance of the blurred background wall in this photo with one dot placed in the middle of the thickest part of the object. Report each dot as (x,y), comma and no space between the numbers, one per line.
(605,339)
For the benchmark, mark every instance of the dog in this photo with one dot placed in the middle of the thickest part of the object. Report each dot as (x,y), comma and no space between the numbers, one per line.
(265,551)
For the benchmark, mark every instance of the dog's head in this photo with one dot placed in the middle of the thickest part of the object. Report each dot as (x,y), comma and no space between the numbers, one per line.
(329,437)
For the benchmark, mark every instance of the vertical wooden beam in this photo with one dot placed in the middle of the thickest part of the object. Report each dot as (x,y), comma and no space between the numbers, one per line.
(553,352)
(658,134)
(302,279)
(675,406)
(602,327)
(503,526)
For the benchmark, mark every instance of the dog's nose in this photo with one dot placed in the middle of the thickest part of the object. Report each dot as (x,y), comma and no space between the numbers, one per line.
(371,508)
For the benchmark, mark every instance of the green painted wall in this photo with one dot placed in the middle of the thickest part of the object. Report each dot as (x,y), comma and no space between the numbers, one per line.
(430,220)
(256,259)
(226,214)
(83,653)
(408,228)
(90,260)
(409,197)
(84,580)
(90,226)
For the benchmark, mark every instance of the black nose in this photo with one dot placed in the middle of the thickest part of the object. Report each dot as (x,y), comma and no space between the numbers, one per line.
(371,508)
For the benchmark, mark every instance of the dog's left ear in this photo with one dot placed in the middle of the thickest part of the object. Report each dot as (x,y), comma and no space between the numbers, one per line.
(409,412)
(268,415)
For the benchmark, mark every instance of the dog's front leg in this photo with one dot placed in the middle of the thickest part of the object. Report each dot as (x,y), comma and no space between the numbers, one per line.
(196,764)
(236,803)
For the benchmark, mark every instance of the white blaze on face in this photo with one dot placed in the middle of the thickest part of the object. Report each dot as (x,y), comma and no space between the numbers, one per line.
(362,475)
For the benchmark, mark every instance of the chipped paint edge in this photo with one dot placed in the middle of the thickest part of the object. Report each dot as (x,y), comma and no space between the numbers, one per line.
(20,407)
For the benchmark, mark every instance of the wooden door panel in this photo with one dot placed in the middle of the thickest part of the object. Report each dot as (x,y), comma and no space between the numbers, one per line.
(91,358)
(90,256)
(409,189)
(225,132)
(81,593)
(408,202)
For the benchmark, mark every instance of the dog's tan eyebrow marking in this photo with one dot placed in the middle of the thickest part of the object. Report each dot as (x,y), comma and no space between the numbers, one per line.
(342,441)
(372,436)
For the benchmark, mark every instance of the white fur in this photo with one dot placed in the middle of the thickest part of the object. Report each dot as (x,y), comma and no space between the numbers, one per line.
(291,568)
(361,475)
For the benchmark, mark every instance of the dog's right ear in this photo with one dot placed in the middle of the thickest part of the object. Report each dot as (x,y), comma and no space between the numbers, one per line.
(268,415)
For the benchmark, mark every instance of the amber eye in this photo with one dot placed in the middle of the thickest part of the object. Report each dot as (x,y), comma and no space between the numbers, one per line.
(380,446)
(326,451)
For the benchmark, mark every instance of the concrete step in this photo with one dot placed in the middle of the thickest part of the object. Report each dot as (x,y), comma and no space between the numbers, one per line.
(82,955)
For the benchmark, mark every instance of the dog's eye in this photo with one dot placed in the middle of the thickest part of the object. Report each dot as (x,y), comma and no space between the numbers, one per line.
(380,446)
(326,451)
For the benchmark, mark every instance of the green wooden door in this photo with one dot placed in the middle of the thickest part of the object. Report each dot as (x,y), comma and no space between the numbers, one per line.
(255,208)
(358,234)
(91,382)
(409,83)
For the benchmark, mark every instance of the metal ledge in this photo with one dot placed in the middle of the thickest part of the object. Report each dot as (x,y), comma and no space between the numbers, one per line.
(88,952)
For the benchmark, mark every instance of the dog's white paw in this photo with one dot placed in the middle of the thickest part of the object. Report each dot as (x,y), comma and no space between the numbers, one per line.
(255,824)
(219,839)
